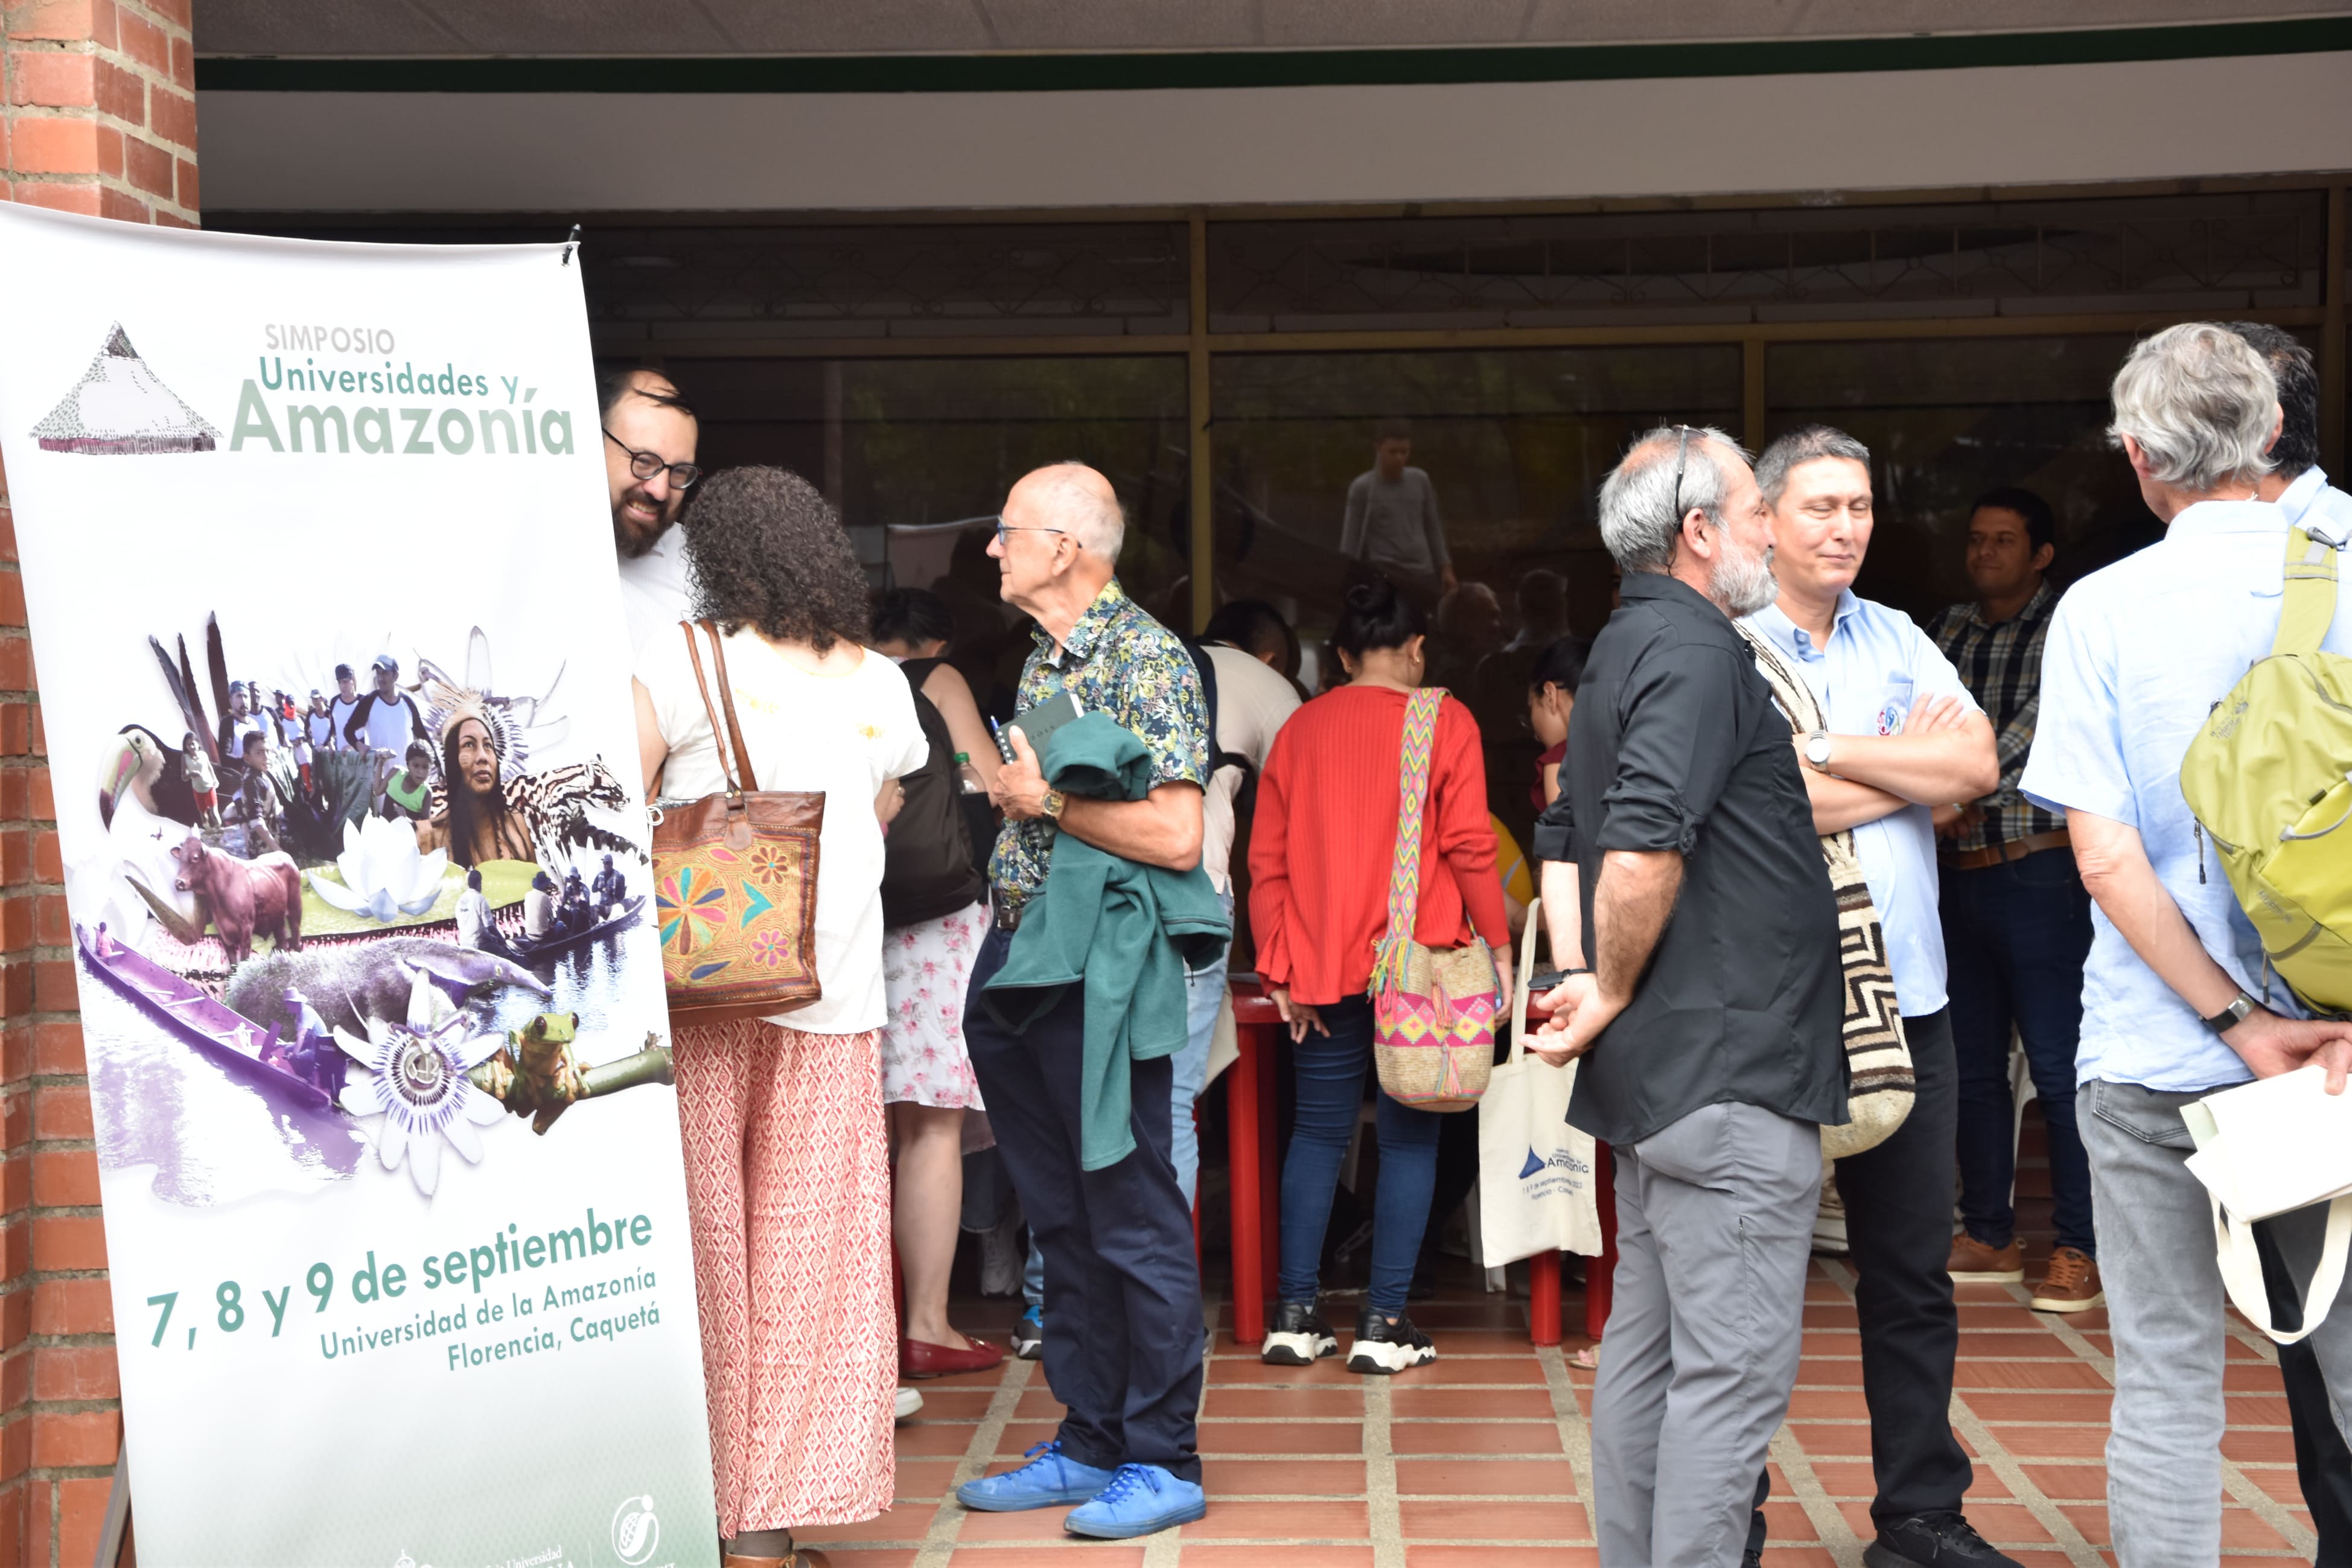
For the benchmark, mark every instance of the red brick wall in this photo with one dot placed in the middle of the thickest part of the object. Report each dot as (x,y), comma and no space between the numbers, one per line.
(98,115)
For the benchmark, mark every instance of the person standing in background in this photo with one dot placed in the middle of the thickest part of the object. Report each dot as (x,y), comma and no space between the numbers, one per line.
(1321,863)
(1391,523)
(347,700)
(1552,681)
(650,435)
(935,915)
(2298,488)
(1907,737)
(2016,923)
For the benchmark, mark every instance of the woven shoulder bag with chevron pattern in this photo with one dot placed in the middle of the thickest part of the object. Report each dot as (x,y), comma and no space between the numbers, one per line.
(1880,1084)
(1433,1008)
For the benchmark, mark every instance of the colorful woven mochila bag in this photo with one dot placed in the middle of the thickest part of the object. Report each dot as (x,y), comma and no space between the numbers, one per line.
(1433,1008)
(735,882)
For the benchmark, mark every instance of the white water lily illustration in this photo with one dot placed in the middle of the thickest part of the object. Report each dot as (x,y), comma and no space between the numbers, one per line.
(414,1077)
(383,876)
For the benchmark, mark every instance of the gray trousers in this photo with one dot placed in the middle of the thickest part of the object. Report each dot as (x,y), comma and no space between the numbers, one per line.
(1714,1224)
(2165,1305)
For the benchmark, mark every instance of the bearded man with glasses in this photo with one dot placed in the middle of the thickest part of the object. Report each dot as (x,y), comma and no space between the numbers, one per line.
(649,438)
(1684,895)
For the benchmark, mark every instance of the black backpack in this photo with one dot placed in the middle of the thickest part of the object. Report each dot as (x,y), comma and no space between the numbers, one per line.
(927,864)
(1218,758)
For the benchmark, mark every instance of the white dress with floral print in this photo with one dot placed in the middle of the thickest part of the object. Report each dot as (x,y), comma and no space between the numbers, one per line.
(927,968)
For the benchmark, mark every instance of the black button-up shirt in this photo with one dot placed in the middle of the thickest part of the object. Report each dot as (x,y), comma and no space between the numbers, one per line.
(1676,743)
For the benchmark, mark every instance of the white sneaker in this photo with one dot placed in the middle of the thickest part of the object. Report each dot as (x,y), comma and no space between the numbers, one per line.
(909,1401)
(1000,1259)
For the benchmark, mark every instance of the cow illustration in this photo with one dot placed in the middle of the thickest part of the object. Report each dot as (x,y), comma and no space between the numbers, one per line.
(247,897)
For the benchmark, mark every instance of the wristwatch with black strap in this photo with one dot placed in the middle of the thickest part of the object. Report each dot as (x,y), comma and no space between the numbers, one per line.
(2230,1017)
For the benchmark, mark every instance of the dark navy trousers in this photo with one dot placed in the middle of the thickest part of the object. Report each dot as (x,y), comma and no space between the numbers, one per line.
(1123,1323)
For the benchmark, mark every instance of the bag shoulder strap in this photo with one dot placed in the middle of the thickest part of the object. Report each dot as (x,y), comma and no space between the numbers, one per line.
(1797,703)
(2310,595)
(720,734)
(726,700)
(1420,742)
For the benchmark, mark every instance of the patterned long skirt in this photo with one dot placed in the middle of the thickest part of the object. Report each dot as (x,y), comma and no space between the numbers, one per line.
(788,1184)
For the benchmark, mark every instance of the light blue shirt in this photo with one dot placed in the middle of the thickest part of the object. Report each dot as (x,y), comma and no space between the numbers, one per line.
(2138,655)
(1877,664)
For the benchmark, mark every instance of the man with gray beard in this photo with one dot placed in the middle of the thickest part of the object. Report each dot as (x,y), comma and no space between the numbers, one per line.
(1685,896)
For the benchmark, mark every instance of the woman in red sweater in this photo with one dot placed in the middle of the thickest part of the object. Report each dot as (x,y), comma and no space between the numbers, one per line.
(1322,848)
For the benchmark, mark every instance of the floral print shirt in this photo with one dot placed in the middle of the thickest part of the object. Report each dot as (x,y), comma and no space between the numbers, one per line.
(1119,661)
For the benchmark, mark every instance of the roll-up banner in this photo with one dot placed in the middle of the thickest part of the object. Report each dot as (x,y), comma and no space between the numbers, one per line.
(336,699)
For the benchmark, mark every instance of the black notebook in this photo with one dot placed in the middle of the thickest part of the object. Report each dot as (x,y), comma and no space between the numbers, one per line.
(1038,723)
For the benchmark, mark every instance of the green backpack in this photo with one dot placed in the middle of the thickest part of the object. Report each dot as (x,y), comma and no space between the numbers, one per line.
(2269,778)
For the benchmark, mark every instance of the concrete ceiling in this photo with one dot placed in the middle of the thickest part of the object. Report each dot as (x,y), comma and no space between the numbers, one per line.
(358,29)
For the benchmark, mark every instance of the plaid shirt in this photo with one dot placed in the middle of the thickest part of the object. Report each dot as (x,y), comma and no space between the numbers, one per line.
(1117,660)
(2002,667)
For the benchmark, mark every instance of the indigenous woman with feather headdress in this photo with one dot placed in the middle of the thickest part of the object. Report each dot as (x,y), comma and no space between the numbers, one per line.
(476,823)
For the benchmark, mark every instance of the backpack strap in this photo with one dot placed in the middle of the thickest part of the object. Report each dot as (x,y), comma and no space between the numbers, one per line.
(1414,756)
(2310,606)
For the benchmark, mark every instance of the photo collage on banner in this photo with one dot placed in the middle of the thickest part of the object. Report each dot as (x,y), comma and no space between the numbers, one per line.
(334,683)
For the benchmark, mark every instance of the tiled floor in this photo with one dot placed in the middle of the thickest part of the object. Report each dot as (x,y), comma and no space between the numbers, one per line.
(1483,1459)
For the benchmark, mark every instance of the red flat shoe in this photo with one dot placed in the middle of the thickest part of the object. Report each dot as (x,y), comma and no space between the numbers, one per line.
(918,1359)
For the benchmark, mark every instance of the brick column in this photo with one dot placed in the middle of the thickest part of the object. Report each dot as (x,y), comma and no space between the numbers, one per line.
(98,115)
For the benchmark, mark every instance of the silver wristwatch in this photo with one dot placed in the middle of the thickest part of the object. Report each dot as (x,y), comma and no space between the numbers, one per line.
(1817,751)
(2230,1017)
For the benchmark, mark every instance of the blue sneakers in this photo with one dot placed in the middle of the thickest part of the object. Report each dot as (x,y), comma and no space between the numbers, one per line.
(1047,1480)
(1141,1499)
(1029,1335)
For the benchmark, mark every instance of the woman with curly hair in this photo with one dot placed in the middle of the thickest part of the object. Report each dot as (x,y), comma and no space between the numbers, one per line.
(788,1181)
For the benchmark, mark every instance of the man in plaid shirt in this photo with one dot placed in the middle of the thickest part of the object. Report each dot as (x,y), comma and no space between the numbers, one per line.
(2016,923)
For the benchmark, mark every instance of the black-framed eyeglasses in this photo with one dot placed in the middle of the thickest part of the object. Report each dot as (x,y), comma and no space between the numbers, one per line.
(1682,455)
(1004,528)
(646,465)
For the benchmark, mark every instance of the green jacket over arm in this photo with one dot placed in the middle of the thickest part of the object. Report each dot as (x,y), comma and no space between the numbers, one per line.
(1126,932)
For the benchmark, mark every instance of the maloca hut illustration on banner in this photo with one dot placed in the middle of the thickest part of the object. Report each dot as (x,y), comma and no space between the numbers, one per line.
(120,408)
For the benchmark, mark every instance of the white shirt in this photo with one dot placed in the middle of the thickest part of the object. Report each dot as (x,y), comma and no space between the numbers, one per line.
(654,591)
(842,735)
(1252,702)
(338,713)
(473,914)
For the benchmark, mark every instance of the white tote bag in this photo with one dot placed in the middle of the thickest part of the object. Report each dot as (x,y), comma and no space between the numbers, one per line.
(2266,1148)
(1535,1171)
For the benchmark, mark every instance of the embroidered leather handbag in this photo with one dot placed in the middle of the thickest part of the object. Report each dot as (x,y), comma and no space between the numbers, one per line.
(1433,1008)
(1880,1083)
(735,881)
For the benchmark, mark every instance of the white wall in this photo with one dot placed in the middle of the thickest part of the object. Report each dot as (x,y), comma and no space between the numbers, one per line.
(564,152)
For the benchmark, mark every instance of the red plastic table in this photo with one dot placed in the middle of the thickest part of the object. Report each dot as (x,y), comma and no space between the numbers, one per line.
(1250,1162)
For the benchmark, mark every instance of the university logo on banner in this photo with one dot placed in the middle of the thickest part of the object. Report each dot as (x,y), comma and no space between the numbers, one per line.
(335,690)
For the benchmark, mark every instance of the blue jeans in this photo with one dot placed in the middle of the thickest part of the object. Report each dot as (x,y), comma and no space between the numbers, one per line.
(2015,937)
(1330,1094)
(1204,992)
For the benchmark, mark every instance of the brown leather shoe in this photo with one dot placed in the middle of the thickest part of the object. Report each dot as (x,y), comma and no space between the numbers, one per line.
(918,1359)
(2071,1284)
(801,1557)
(1975,1262)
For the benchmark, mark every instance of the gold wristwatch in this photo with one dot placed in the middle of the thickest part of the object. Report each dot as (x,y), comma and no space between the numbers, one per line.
(1052,805)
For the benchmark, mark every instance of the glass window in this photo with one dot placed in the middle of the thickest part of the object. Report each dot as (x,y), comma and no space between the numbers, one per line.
(1945,421)
(1513,445)
(918,454)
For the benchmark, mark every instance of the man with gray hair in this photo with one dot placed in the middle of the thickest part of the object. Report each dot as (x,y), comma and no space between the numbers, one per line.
(2138,655)
(1685,896)
(1123,1285)
(1903,736)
